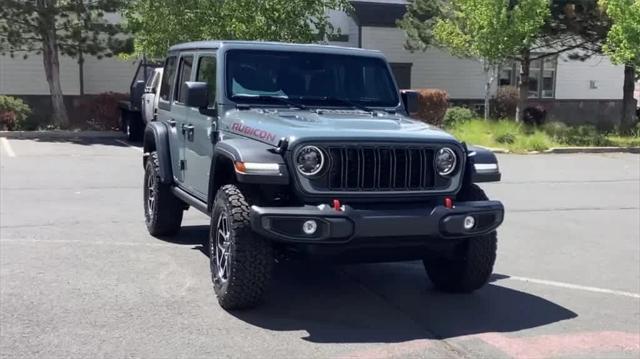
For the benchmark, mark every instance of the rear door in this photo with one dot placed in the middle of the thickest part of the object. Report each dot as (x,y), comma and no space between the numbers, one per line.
(201,135)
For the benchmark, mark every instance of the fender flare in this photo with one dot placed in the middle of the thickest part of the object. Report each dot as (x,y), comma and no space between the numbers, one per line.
(156,138)
(482,165)
(245,150)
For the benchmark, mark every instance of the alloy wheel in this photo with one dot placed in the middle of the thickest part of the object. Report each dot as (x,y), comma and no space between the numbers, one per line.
(222,247)
(151,194)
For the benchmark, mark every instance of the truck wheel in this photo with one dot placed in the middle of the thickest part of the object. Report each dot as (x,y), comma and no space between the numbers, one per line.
(472,263)
(124,122)
(241,261)
(135,127)
(162,210)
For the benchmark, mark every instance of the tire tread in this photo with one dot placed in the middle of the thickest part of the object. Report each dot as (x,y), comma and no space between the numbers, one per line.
(251,258)
(167,217)
(476,257)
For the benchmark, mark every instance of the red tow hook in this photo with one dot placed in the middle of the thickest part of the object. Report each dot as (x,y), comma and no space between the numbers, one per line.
(336,205)
(448,202)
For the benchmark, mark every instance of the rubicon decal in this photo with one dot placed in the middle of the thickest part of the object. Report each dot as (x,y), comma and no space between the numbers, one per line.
(253,132)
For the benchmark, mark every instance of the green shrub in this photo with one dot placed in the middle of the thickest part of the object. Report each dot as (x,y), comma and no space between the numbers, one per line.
(506,132)
(506,138)
(584,135)
(433,104)
(556,130)
(635,132)
(537,141)
(506,102)
(457,115)
(13,113)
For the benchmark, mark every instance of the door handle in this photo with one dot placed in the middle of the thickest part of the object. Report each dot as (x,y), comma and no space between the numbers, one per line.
(188,129)
(172,122)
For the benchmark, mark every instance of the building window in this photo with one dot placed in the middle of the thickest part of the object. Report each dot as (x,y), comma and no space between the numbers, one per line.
(542,76)
(548,77)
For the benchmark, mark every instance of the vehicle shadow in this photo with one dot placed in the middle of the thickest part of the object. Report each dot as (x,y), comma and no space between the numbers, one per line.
(390,302)
(383,302)
(194,235)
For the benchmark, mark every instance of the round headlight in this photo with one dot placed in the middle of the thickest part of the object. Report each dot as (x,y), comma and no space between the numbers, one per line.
(445,161)
(309,160)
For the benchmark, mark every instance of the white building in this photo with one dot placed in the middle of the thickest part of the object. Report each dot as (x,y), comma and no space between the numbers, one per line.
(571,91)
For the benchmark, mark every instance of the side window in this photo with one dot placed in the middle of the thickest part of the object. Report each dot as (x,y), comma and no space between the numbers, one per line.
(167,78)
(207,73)
(186,63)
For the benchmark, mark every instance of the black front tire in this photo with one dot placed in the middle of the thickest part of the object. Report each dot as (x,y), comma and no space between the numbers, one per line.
(162,210)
(472,262)
(241,261)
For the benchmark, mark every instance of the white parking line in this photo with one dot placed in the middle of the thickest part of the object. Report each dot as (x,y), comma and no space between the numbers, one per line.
(7,147)
(575,286)
(22,241)
(129,145)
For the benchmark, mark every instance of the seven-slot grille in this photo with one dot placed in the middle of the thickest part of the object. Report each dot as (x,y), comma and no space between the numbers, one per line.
(380,168)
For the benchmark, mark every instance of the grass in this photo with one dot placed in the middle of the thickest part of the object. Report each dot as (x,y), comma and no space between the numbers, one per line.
(620,141)
(520,138)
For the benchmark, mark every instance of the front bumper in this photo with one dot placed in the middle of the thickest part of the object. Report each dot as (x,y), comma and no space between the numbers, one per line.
(375,222)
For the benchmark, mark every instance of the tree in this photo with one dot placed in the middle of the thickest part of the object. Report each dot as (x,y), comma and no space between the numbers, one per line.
(493,31)
(59,27)
(158,24)
(623,47)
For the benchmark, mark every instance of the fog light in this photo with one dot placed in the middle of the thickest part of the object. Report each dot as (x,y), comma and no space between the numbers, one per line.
(469,222)
(309,227)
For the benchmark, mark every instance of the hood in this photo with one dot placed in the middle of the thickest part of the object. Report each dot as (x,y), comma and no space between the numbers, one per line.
(270,126)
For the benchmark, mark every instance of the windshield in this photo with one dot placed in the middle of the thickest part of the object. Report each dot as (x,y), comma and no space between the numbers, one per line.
(311,79)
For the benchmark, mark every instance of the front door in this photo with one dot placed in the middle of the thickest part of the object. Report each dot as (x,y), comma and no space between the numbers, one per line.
(166,115)
(201,123)
(180,113)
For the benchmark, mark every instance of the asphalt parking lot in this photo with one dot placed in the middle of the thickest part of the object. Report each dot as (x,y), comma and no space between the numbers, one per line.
(81,278)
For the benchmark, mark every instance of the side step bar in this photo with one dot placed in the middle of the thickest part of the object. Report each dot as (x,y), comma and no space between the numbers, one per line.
(190,200)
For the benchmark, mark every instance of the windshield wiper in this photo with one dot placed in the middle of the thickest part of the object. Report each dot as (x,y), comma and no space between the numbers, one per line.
(274,99)
(347,103)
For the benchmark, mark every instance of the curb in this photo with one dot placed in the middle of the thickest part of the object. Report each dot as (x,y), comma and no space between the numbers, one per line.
(561,150)
(592,150)
(493,149)
(54,134)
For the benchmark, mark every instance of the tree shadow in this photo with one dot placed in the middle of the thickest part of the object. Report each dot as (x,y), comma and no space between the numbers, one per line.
(81,140)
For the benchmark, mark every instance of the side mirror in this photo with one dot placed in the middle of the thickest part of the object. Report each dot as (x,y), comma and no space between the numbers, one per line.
(410,101)
(137,91)
(196,94)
